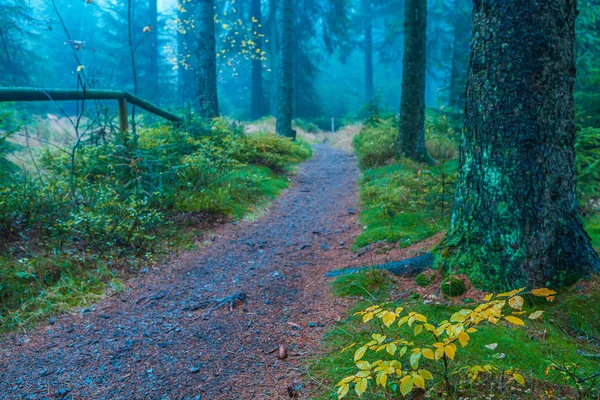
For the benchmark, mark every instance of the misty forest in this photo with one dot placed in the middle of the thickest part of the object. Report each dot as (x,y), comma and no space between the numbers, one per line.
(300,199)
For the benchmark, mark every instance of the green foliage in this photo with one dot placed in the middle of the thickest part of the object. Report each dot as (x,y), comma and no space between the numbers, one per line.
(453,286)
(372,285)
(587,150)
(306,126)
(405,202)
(118,205)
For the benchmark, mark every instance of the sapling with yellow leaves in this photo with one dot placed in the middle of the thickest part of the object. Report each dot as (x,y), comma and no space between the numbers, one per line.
(432,351)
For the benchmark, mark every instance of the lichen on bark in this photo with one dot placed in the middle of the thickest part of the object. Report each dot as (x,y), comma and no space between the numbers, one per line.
(515,219)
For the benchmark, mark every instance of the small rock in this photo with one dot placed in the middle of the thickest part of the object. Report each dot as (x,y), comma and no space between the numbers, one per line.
(312,324)
(194,370)
(51,321)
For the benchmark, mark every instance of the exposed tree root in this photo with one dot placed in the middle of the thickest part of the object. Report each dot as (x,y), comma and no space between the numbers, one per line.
(215,304)
(409,267)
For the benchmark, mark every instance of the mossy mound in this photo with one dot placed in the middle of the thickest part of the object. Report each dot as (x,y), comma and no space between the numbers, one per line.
(453,286)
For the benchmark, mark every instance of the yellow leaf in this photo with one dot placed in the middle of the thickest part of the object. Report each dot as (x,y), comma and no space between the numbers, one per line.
(388,318)
(368,316)
(418,329)
(406,385)
(425,374)
(225,26)
(511,293)
(450,350)
(361,386)
(80,67)
(463,338)
(514,320)
(391,348)
(536,315)
(359,353)
(428,353)
(544,292)
(516,302)
(419,381)
(439,353)
(343,390)
(488,297)
(519,378)
(363,365)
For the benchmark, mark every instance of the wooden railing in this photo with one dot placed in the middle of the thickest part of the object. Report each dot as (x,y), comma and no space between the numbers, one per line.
(32,94)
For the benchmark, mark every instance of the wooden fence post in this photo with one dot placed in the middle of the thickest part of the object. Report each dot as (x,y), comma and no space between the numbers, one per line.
(123,121)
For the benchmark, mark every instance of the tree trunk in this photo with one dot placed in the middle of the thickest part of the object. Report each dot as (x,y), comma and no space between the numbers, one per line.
(273,55)
(152,78)
(460,55)
(515,220)
(368,49)
(257,108)
(411,137)
(185,48)
(285,73)
(206,61)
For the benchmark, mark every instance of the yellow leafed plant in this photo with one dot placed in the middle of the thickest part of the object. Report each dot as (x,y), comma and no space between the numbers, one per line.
(433,349)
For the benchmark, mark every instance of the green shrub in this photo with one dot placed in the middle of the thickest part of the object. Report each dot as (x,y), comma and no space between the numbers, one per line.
(375,145)
(273,151)
(423,279)
(587,150)
(306,126)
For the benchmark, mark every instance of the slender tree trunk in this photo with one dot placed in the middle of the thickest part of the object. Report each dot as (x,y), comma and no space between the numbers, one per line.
(206,60)
(285,73)
(460,55)
(273,55)
(411,137)
(515,219)
(152,76)
(257,107)
(368,49)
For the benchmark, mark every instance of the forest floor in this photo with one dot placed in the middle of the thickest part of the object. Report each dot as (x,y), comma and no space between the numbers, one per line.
(159,339)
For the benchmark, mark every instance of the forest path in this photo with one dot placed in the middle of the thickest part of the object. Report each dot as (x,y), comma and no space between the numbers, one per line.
(144,343)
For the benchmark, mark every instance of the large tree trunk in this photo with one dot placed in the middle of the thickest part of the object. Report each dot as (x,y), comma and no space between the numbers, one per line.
(368,49)
(460,55)
(411,138)
(257,108)
(285,73)
(515,219)
(206,61)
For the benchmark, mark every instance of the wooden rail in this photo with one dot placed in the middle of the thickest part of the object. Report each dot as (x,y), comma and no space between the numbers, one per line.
(123,97)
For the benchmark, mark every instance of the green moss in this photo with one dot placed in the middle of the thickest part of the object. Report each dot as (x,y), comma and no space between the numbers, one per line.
(423,280)
(453,286)
(373,285)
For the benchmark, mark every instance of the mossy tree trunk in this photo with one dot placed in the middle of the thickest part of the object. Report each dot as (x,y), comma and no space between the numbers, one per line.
(515,219)
(411,137)
(285,73)
(206,60)
(366,9)
(460,54)
(257,107)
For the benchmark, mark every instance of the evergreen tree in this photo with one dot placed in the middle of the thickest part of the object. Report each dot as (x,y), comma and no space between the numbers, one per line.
(515,220)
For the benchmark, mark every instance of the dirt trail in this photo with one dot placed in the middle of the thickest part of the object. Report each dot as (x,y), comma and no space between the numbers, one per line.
(146,343)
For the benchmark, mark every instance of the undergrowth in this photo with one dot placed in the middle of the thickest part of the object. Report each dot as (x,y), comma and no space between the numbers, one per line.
(567,335)
(86,215)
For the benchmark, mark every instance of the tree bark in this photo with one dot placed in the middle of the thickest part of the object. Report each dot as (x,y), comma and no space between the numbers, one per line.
(368,49)
(515,220)
(206,61)
(153,79)
(411,135)
(257,107)
(273,55)
(460,54)
(285,73)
